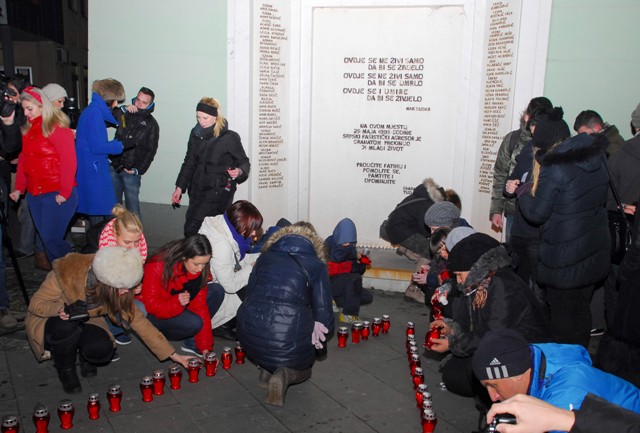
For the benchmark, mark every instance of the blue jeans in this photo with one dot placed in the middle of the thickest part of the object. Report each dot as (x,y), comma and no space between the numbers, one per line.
(180,327)
(52,220)
(128,185)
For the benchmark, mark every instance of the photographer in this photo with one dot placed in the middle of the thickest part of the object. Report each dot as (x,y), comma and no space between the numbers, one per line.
(137,126)
(10,146)
(65,316)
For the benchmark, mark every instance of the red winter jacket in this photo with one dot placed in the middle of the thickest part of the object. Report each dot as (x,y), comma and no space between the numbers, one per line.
(159,301)
(47,164)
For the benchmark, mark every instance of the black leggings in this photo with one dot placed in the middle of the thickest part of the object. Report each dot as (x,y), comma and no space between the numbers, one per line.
(65,338)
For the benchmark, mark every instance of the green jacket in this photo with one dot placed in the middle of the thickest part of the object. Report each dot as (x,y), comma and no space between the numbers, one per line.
(505,162)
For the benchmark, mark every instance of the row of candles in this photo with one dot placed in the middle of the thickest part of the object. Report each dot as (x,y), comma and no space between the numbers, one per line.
(362,330)
(422,394)
(149,386)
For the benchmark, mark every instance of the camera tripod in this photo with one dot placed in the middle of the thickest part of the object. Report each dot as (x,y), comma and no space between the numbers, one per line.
(6,240)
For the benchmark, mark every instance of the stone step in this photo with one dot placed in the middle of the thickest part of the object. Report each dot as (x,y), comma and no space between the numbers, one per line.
(388,271)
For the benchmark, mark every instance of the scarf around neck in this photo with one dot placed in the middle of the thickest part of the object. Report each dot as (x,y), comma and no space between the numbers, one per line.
(243,244)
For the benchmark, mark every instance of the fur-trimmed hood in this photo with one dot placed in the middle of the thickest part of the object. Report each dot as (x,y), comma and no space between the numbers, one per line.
(71,272)
(312,240)
(583,150)
(434,191)
(491,261)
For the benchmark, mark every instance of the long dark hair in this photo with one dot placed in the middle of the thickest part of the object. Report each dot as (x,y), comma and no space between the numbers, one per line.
(180,250)
(244,217)
(101,295)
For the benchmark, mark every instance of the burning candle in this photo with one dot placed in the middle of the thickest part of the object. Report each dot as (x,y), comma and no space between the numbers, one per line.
(356,332)
(376,327)
(10,424)
(41,417)
(193,367)
(114,396)
(386,323)
(158,382)
(146,388)
(175,376)
(65,413)
(93,405)
(210,364)
(343,332)
(366,329)
(239,353)
(226,358)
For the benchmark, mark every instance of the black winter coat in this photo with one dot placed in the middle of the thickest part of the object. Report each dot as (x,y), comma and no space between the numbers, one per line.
(205,165)
(10,147)
(569,204)
(276,319)
(408,220)
(510,304)
(141,129)
(623,166)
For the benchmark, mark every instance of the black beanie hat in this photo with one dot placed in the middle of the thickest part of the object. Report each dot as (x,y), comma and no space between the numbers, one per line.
(468,251)
(551,130)
(501,353)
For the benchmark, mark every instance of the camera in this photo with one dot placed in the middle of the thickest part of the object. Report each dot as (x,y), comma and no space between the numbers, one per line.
(501,418)
(77,311)
(7,107)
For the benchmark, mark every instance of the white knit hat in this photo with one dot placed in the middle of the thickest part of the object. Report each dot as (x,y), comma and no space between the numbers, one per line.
(118,267)
(54,91)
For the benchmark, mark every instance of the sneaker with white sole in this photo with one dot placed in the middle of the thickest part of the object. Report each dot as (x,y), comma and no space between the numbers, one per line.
(7,321)
(190,348)
(348,318)
(335,307)
(123,339)
(115,357)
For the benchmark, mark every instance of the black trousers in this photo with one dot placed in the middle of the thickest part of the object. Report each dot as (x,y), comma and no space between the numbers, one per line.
(570,315)
(65,339)
(204,204)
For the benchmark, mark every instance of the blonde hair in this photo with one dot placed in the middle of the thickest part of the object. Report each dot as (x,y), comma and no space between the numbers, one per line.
(536,168)
(125,221)
(52,117)
(219,118)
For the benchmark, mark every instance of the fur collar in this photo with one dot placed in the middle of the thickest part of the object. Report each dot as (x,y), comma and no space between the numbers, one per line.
(491,261)
(316,241)
(580,149)
(435,191)
(71,272)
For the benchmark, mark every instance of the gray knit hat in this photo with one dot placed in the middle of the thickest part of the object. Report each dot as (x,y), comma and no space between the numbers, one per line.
(441,214)
(456,235)
(54,91)
(635,117)
(118,267)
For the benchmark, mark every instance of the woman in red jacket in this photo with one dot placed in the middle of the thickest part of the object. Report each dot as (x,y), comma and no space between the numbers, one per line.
(174,292)
(47,171)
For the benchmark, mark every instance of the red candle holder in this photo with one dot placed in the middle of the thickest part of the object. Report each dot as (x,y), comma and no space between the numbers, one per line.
(343,332)
(412,351)
(210,364)
(433,334)
(411,328)
(410,338)
(366,329)
(175,376)
(193,367)
(93,406)
(422,388)
(65,413)
(226,358)
(114,396)
(386,323)
(159,381)
(146,388)
(356,332)
(415,363)
(239,354)
(429,421)
(376,327)
(426,402)
(418,378)
(41,418)
(10,424)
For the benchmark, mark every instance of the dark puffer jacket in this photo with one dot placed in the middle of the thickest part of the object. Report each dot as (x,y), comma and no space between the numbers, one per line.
(406,220)
(510,304)
(276,319)
(142,129)
(205,165)
(569,204)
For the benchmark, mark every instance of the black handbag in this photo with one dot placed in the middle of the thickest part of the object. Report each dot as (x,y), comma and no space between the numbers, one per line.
(620,225)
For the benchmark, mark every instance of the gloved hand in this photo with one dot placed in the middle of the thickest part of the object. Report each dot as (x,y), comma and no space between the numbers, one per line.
(318,335)
(77,311)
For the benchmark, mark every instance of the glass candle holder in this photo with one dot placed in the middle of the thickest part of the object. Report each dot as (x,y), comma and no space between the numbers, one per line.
(159,381)
(41,418)
(10,424)
(239,354)
(193,368)
(343,332)
(146,388)
(114,396)
(210,364)
(356,332)
(411,328)
(418,378)
(386,323)
(65,413)
(433,334)
(93,405)
(366,329)
(429,421)
(422,388)
(175,376)
(376,327)
(226,358)
(411,338)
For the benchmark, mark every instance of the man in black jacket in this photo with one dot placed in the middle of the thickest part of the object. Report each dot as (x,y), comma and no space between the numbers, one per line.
(10,146)
(137,126)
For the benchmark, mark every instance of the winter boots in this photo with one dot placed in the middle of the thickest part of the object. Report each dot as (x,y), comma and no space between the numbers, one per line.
(280,381)
(263,379)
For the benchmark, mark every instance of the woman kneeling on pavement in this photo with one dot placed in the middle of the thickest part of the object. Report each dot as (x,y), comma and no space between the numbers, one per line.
(287,310)
(65,317)
(174,292)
